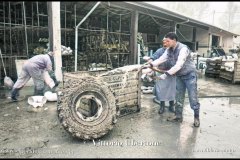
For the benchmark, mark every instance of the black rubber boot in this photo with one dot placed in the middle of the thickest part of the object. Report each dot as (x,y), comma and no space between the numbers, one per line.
(35,91)
(177,117)
(162,107)
(14,94)
(171,106)
(196,118)
(38,92)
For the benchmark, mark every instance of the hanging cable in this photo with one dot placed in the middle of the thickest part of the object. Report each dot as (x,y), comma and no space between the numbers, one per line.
(183,36)
(159,24)
(114,12)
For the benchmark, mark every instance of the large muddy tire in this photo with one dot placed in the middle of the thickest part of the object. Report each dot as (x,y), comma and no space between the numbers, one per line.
(87,108)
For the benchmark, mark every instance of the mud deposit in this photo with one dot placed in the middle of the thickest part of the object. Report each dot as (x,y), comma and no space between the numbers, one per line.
(28,132)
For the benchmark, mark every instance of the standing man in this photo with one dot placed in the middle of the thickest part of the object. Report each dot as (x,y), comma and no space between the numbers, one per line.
(165,90)
(35,67)
(178,55)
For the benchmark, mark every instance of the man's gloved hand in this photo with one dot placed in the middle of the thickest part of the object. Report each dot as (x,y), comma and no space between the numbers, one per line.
(55,87)
(57,83)
(162,77)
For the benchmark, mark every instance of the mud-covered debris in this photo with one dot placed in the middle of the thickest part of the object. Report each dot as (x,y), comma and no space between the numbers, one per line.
(122,70)
(55,124)
(37,128)
(45,142)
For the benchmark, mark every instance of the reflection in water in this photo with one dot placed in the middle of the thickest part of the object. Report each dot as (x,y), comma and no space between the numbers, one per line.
(234,100)
(187,139)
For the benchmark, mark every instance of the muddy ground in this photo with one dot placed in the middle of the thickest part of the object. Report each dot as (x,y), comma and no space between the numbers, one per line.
(28,132)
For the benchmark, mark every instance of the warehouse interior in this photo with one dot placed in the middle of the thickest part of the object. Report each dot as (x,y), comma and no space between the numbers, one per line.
(104,37)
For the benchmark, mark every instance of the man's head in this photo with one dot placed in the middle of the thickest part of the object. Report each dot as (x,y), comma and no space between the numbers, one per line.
(171,39)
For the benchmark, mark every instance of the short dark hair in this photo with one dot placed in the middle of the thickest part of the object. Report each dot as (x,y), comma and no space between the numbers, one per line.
(171,35)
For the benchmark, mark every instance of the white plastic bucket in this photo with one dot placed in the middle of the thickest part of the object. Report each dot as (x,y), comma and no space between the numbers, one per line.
(50,96)
(36,101)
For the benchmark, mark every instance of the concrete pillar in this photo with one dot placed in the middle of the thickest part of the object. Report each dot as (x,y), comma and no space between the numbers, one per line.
(133,39)
(55,36)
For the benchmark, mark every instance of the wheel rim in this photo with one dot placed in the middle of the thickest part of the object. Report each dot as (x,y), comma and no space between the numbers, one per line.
(88,107)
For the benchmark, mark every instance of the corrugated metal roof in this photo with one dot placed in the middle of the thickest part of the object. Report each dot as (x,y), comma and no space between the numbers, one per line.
(147,11)
(177,17)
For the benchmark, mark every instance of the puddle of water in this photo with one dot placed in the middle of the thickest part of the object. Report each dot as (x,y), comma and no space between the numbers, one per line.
(25,91)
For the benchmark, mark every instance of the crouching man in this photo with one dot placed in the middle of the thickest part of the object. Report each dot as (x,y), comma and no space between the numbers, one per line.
(34,68)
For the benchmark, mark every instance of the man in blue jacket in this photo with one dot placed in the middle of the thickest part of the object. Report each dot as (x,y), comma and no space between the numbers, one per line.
(165,90)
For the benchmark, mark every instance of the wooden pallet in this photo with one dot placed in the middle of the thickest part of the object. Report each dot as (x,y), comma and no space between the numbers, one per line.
(231,76)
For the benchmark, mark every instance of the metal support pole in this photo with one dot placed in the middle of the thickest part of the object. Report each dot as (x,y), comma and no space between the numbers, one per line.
(65,33)
(25,27)
(37,19)
(119,36)
(10,25)
(76,32)
(75,15)
(4,34)
(139,54)
(32,23)
(107,29)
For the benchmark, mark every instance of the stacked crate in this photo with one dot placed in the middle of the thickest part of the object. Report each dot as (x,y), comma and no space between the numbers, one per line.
(213,67)
(231,76)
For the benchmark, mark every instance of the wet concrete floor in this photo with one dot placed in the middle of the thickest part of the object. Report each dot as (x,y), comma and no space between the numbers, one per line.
(28,132)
